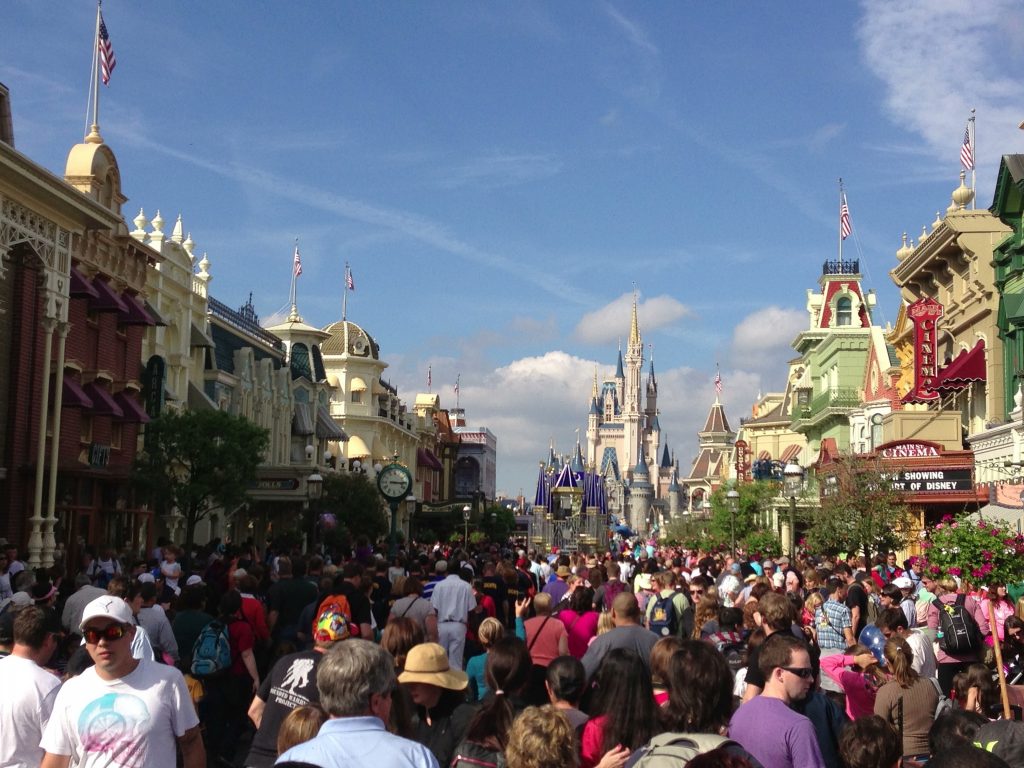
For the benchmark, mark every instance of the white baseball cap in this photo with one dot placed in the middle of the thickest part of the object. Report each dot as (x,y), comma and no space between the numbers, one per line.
(107,607)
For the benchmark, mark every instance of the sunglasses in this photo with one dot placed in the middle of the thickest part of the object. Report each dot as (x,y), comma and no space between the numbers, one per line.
(109,633)
(803,672)
(696,592)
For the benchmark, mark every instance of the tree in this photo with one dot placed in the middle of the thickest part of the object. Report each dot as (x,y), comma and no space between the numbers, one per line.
(755,500)
(356,503)
(860,510)
(198,461)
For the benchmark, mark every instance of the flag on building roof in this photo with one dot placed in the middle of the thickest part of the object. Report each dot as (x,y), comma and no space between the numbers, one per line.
(297,262)
(845,228)
(349,282)
(429,378)
(718,382)
(106,50)
(967,150)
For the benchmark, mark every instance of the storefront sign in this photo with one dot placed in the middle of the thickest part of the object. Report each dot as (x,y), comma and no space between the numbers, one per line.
(932,480)
(277,484)
(742,461)
(910,451)
(99,454)
(924,314)
(153,386)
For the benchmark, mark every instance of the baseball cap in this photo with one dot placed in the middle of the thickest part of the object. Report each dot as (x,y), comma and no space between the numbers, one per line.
(767,564)
(146,578)
(192,580)
(107,607)
(903,582)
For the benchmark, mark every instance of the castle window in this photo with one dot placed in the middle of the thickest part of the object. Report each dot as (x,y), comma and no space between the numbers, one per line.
(844,311)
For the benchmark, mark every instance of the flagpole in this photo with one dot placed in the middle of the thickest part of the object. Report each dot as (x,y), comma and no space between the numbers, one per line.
(344,298)
(974,164)
(840,223)
(94,75)
(292,292)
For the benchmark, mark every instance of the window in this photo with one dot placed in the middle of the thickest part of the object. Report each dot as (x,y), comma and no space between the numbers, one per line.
(357,397)
(86,429)
(844,311)
(115,435)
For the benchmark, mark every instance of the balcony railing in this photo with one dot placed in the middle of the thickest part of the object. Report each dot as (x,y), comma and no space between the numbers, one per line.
(830,399)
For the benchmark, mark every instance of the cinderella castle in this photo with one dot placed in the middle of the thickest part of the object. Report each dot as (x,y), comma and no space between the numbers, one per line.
(628,473)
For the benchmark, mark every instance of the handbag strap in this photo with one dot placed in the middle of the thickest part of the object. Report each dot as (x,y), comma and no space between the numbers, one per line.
(409,606)
(542,625)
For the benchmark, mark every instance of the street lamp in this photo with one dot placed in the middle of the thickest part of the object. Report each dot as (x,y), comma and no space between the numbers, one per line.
(793,477)
(314,490)
(411,501)
(466,512)
(732,498)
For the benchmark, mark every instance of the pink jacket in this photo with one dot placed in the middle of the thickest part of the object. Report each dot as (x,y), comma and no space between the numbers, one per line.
(859,688)
(973,607)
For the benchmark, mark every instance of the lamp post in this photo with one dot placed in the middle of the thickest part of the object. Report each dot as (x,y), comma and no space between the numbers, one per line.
(732,498)
(314,490)
(793,477)
(466,512)
(411,501)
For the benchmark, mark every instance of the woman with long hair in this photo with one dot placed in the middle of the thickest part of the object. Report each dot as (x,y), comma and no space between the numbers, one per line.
(857,672)
(622,708)
(1002,607)
(977,692)
(906,701)
(490,631)
(400,636)
(507,673)
(705,618)
(661,655)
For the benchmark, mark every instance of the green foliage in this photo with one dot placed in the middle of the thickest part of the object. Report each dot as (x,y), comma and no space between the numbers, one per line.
(762,544)
(686,532)
(755,499)
(859,511)
(981,551)
(356,502)
(477,538)
(198,461)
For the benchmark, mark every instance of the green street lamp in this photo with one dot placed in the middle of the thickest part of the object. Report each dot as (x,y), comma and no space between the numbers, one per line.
(732,498)
(793,478)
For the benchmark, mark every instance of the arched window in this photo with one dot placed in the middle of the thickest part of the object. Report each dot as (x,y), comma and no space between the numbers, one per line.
(844,311)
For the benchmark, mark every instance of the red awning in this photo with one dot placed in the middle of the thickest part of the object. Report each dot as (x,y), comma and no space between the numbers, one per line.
(764,455)
(132,410)
(426,458)
(790,454)
(966,367)
(73,395)
(103,403)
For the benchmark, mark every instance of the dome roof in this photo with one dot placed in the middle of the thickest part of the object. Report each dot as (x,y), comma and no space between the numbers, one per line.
(360,343)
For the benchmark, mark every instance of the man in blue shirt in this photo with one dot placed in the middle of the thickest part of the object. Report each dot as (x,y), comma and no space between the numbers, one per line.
(355,680)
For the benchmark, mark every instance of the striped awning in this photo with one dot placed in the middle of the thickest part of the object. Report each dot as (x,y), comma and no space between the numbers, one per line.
(791,454)
(764,455)
(302,420)
(326,427)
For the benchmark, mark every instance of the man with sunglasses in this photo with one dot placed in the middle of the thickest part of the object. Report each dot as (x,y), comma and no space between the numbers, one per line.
(123,710)
(766,726)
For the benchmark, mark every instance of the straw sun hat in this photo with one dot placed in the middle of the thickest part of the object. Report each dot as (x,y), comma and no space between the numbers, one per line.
(428,663)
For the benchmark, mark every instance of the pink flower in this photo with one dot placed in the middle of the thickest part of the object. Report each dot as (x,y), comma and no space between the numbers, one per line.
(954,525)
(939,527)
(976,573)
(935,569)
(954,571)
(946,518)
(986,569)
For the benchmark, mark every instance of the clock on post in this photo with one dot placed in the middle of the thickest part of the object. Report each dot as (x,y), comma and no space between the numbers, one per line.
(394,483)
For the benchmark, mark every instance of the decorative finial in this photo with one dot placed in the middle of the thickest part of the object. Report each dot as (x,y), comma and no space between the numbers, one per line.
(176,232)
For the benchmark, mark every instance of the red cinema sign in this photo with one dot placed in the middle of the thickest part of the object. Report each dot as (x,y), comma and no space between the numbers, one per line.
(925,315)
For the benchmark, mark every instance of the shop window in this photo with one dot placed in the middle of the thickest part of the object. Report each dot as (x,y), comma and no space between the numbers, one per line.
(86,428)
(116,429)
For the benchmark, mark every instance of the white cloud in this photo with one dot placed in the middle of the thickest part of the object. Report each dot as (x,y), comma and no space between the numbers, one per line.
(607,324)
(633,31)
(958,56)
(498,169)
(761,341)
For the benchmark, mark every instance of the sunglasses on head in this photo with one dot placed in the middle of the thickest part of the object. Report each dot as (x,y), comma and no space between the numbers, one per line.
(805,672)
(109,633)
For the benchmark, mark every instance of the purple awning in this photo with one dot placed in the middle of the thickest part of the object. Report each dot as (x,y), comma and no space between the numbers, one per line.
(132,410)
(103,403)
(80,287)
(135,313)
(107,299)
(73,395)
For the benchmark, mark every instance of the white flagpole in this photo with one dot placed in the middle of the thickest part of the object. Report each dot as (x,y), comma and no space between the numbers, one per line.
(94,75)
(840,223)
(294,297)
(974,159)
(344,298)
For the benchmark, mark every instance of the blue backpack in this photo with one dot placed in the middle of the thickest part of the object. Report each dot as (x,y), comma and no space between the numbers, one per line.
(663,618)
(211,654)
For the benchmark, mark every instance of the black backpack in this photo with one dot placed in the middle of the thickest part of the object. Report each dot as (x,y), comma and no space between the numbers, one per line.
(958,631)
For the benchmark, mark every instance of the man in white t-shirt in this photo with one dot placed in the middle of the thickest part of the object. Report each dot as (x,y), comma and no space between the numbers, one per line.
(123,711)
(29,689)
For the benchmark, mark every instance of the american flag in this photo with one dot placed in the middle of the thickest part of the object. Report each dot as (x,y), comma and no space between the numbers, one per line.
(349,282)
(967,150)
(429,378)
(718,382)
(845,228)
(107,59)
(457,384)
(296,263)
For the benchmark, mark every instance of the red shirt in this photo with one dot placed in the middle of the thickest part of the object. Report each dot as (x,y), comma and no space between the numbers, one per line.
(240,638)
(254,613)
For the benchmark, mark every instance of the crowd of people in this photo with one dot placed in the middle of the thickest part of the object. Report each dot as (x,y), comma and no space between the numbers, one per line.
(640,656)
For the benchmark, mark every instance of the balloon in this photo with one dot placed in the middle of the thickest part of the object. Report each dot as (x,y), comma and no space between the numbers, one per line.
(872,638)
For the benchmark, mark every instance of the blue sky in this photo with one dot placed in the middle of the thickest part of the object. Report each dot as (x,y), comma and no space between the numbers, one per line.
(500,175)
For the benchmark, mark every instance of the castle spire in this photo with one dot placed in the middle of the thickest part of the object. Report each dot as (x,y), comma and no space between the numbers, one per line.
(634,326)
(593,391)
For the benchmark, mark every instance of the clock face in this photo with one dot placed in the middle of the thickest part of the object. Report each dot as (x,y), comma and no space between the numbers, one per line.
(393,482)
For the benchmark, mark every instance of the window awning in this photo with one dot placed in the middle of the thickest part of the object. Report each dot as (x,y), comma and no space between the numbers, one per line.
(357,448)
(966,367)
(302,422)
(151,311)
(197,399)
(106,299)
(790,454)
(199,337)
(80,287)
(135,313)
(326,427)
(764,455)
(133,412)
(103,403)
(426,458)
(73,395)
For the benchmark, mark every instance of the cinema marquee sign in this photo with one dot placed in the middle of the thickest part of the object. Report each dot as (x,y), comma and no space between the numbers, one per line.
(910,451)
(924,479)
